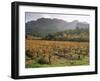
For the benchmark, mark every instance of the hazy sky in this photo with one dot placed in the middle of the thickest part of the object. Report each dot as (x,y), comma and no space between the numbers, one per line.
(29,16)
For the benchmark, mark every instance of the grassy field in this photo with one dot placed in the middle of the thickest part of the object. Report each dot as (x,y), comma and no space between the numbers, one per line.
(45,53)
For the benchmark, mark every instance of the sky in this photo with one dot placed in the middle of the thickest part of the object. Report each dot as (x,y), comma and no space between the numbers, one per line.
(29,16)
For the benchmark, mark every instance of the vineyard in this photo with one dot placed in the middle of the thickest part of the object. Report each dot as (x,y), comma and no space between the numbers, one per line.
(49,53)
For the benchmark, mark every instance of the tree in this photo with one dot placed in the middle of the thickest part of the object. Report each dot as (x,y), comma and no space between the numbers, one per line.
(50,37)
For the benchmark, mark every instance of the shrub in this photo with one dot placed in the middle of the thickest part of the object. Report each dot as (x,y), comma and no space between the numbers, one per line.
(42,60)
(29,54)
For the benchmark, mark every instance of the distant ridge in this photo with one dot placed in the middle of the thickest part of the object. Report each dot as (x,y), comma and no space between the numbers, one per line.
(47,25)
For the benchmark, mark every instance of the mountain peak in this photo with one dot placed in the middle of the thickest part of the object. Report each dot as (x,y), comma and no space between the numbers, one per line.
(76,21)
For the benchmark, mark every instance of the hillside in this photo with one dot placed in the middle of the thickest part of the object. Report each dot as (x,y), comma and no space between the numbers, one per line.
(47,25)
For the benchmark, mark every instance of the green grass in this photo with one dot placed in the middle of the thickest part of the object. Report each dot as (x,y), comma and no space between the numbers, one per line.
(59,63)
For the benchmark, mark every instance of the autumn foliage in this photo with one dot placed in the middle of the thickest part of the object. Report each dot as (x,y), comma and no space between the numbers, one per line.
(56,53)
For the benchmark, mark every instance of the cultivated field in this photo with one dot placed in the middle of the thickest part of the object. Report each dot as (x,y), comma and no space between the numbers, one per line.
(45,53)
